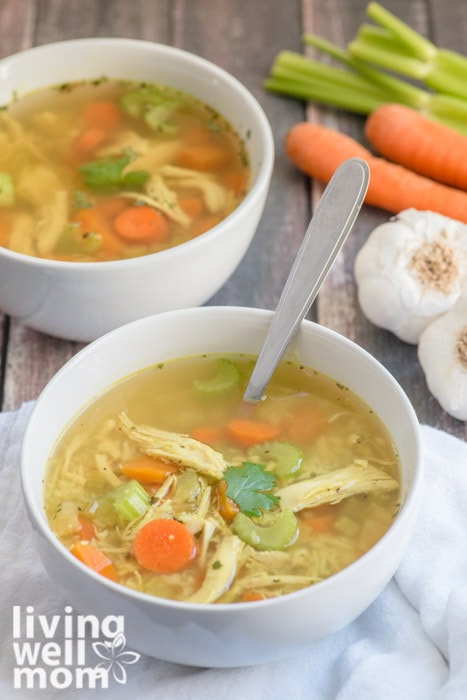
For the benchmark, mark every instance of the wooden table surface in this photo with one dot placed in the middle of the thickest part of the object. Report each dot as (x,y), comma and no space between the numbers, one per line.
(243,37)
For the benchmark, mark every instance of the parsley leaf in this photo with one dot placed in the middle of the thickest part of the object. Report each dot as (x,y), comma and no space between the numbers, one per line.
(248,486)
(107,173)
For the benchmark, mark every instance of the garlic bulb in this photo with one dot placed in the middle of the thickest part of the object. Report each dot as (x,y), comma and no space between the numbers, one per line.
(411,270)
(442,352)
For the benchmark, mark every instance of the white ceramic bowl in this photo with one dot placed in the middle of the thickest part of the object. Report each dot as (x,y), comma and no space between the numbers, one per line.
(80,301)
(220,634)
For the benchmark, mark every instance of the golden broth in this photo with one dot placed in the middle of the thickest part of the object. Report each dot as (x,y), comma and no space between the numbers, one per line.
(313,460)
(111,169)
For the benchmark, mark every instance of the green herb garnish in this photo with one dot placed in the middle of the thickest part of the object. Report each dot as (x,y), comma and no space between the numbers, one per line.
(107,174)
(249,486)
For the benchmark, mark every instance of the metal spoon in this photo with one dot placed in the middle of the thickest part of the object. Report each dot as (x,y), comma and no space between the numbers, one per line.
(325,236)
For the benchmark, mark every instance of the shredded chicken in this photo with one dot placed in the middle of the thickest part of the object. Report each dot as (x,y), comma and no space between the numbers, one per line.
(176,448)
(220,572)
(359,477)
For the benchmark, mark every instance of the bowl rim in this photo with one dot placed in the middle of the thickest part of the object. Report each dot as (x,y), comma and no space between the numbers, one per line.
(409,506)
(260,184)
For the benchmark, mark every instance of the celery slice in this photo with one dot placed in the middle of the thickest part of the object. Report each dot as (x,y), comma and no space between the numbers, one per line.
(226,379)
(130,500)
(287,456)
(277,536)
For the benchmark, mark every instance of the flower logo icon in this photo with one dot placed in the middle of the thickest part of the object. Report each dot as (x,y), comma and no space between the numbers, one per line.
(115,657)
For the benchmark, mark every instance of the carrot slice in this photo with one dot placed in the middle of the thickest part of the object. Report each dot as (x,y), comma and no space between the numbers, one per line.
(142,223)
(305,425)
(93,220)
(103,114)
(203,157)
(90,139)
(252,596)
(148,470)
(250,432)
(227,507)
(95,559)
(86,528)
(192,206)
(210,435)
(321,519)
(164,546)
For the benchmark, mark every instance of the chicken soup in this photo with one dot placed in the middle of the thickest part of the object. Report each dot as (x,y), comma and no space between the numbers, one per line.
(109,169)
(169,484)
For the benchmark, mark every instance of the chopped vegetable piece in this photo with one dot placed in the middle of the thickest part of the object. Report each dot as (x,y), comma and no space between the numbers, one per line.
(86,528)
(102,114)
(249,485)
(250,432)
(306,424)
(252,596)
(210,435)
(226,379)
(204,157)
(130,500)
(90,139)
(148,470)
(107,174)
(277,536)
(164,546)
(227,506)
(7,190)
(142,223)
(318,151)
(287,456)
(321,519)
(95,559)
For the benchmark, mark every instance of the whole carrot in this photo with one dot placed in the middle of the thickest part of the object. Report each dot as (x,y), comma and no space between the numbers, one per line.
(318,150)
(405,136)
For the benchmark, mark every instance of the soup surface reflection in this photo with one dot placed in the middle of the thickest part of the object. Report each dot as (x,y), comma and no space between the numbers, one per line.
(107,170)
(170,485)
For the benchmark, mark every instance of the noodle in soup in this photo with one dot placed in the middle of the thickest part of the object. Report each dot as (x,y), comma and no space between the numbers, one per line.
(167,486)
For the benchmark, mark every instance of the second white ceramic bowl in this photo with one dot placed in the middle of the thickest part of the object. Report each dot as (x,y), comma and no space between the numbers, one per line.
(81,301)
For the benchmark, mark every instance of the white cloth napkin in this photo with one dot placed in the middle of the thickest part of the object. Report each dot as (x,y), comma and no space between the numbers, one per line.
(411,644)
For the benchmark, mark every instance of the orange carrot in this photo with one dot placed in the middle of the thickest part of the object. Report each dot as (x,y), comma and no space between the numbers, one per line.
(86,528)
(405,136)
(252,596)
(148,470)
(250,432)
(305,425)
(321,519)
(89,140)
(192,206)
(226,506)
(141,223)
(103,114)
(95,559)
(164,546)
(318,151)
(203,157)
(93,220)
(210,435)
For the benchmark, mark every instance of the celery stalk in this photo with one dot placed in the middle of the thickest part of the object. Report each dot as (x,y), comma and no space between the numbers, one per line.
(401,49)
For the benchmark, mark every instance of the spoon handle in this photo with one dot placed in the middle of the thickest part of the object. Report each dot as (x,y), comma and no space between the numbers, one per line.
(325,236)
